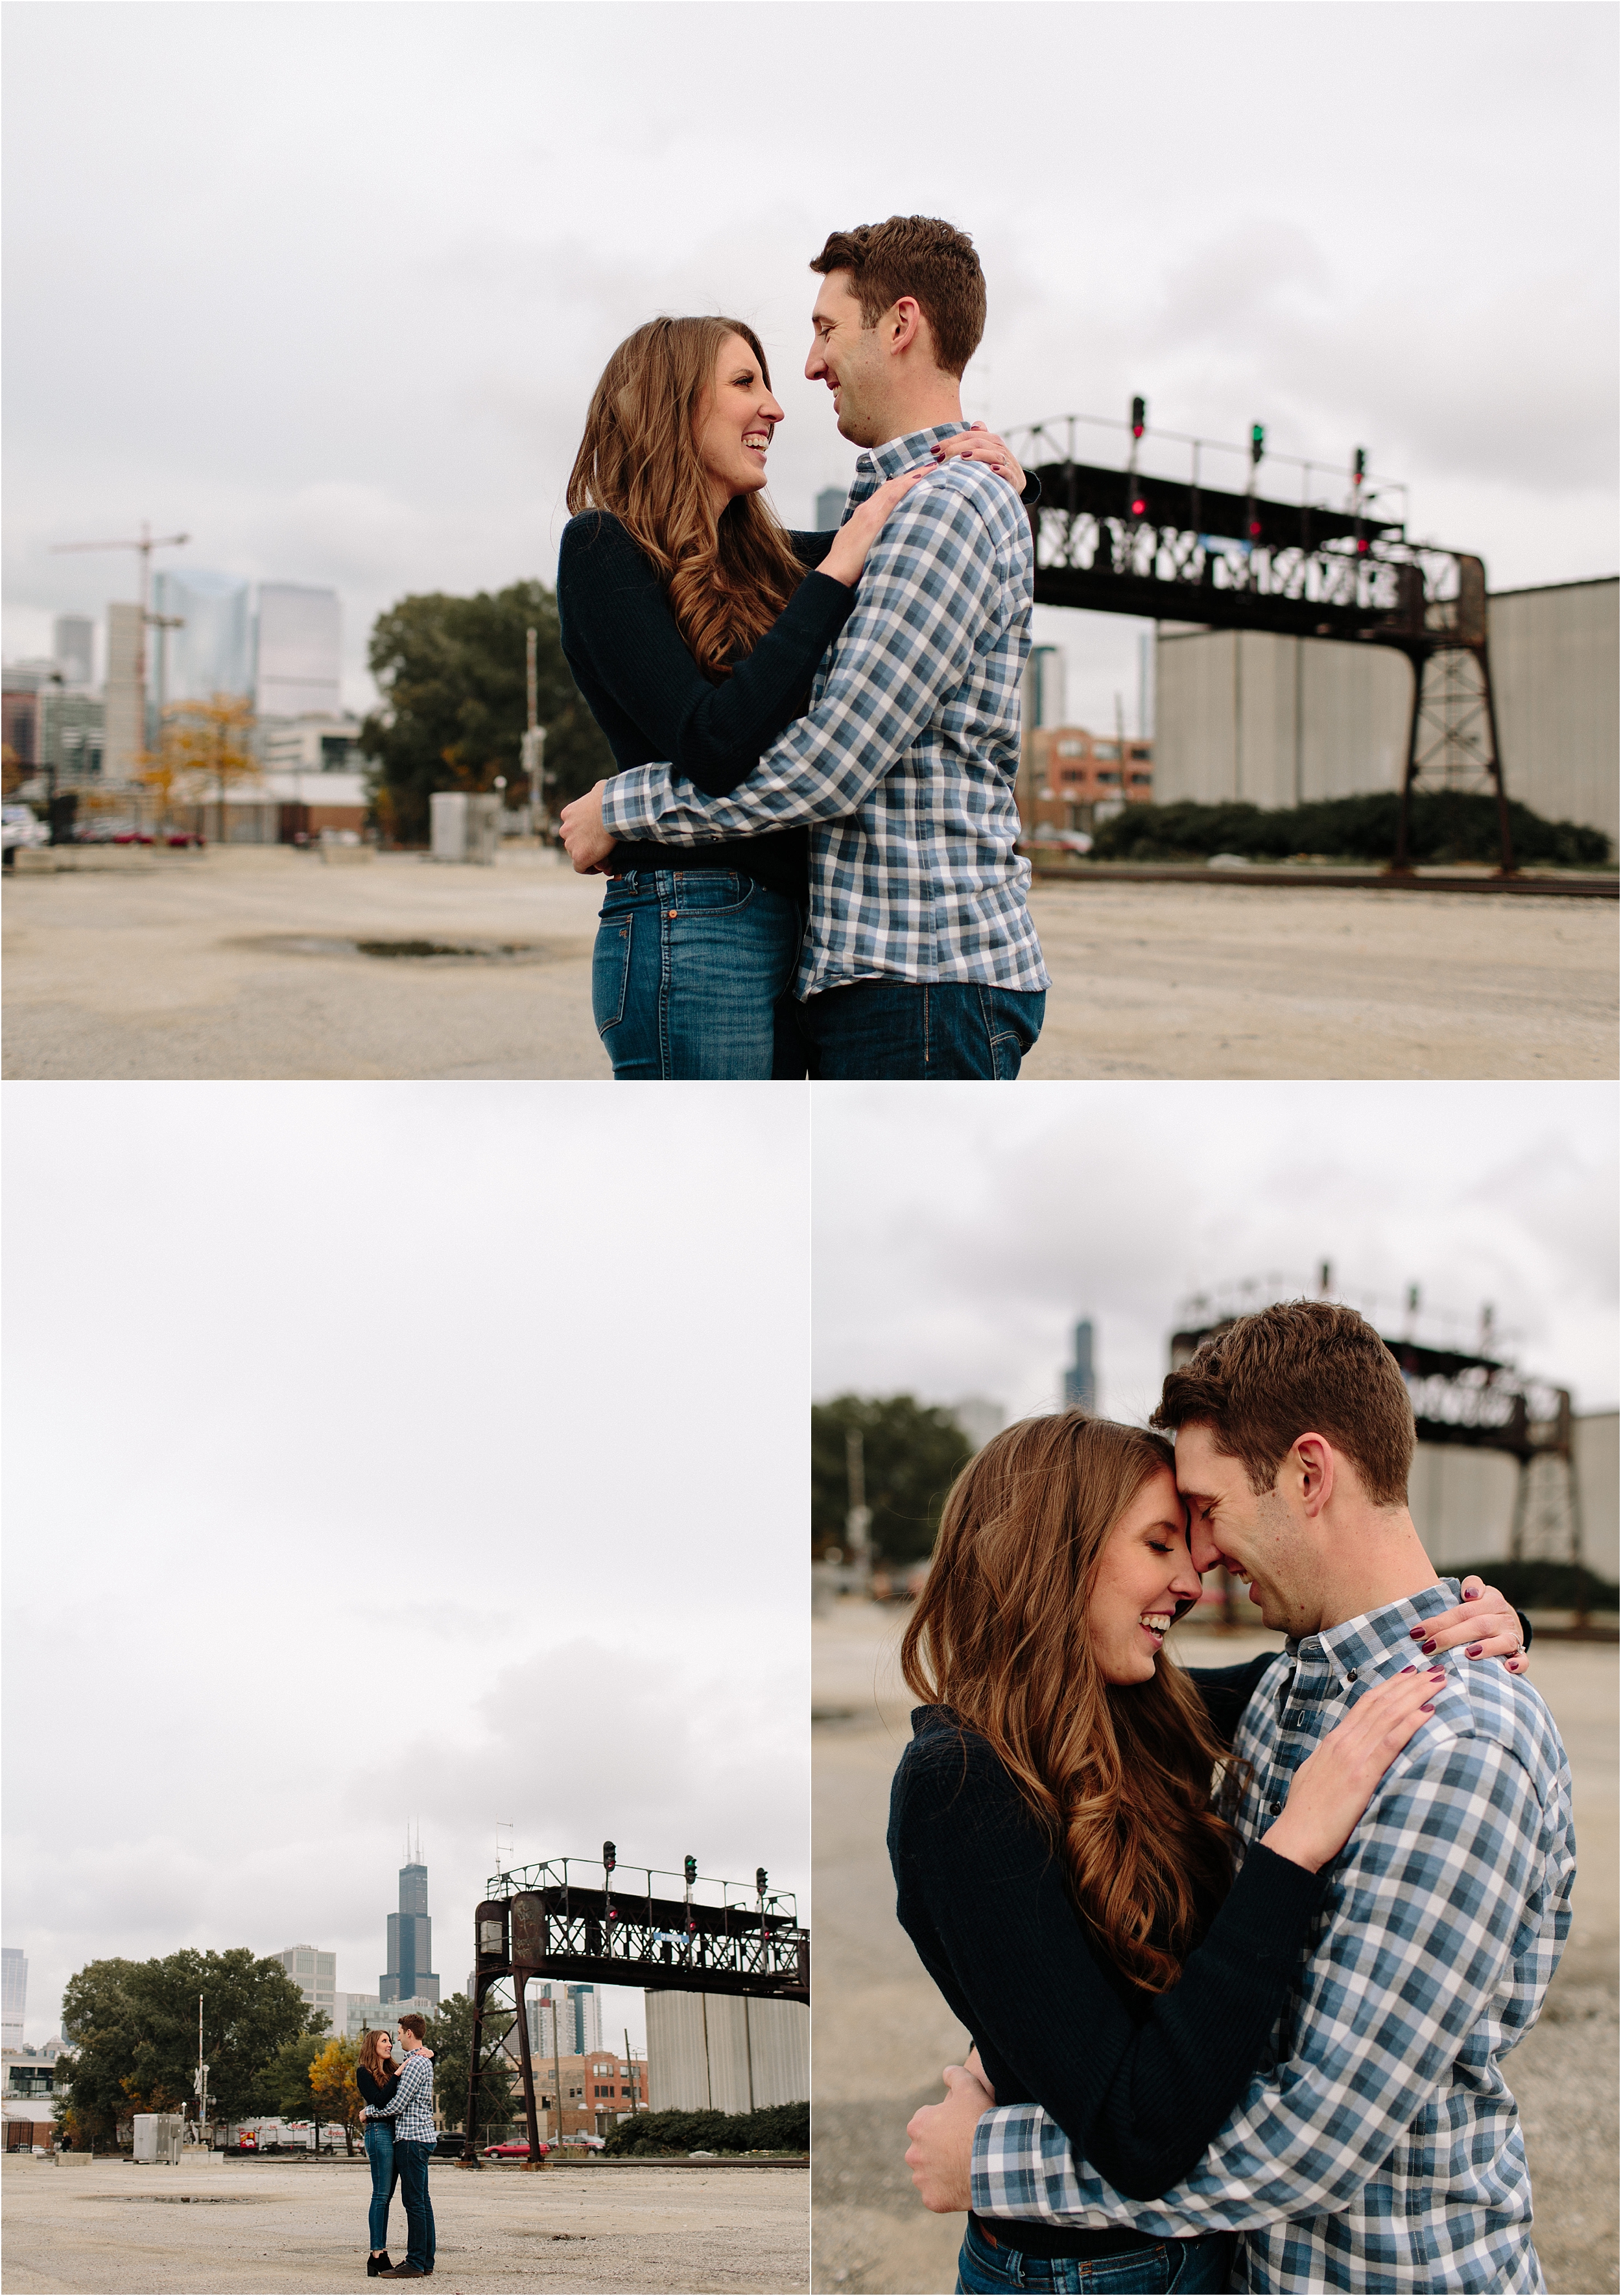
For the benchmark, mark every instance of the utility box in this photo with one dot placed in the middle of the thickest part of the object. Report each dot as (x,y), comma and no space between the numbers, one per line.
(160,2135)
(464,828)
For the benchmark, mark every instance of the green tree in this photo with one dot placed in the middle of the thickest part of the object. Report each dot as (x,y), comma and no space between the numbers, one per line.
(912,1452)
(134,2030)
(450,2036)
(287,2090)
(451,672)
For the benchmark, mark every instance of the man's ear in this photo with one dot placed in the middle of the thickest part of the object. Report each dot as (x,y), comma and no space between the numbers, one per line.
(904,322)
(1313,1459)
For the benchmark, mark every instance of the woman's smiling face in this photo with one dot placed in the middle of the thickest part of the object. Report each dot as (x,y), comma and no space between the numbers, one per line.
(733,422)
(1144,1572)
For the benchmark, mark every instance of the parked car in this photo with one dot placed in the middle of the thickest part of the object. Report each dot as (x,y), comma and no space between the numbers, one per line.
(18,827)
(516,2149)
(451,2144)
(592,2143)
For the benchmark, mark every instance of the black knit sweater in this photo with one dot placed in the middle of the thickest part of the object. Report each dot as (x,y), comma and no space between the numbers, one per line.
(654,704)
(1139,2082)
(373,2090)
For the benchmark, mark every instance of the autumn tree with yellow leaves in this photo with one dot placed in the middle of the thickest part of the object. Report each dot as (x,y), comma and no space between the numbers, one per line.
(331,2084)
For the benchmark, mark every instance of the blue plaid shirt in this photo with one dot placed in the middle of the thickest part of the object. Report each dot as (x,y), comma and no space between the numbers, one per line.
(904,764)
(411,2106)
(1380,2147)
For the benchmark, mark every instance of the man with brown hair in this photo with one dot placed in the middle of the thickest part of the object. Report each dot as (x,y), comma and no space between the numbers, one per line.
(1379,2147)
(920,960)
(411,2110)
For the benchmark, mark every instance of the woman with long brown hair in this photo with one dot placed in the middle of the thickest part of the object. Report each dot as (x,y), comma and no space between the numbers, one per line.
(1062,1869)
(377,2077)
(693,622)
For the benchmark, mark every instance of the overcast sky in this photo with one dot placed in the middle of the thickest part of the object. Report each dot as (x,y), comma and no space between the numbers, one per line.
(959,1234)
(389,1453)
(328,286)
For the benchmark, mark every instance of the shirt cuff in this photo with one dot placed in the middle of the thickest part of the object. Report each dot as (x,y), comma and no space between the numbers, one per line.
(629,806)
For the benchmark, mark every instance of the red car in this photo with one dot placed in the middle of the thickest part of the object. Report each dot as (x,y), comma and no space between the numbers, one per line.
(518,2151)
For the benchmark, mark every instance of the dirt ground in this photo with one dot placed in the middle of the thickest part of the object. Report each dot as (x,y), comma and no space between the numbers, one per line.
(880,2033)
(242,961)
(269,2227)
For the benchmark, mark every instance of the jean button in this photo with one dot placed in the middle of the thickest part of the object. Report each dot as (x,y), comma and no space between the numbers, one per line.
(674,913)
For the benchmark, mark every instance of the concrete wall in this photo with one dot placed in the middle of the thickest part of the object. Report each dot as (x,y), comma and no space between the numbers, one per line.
(1462,1501)
(1279,721)
(1598,1466)
(1555,665)
(711,2050)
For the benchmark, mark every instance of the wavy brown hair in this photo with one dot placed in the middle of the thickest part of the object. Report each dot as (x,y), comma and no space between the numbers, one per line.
(727,578)
(1118,1776)
(370,2059)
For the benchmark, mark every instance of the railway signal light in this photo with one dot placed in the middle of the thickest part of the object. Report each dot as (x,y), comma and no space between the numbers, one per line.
(759,1879)
(1139,417)
(609,1858)
(1257,442)
(689,1867)
(1139,505)
(1359,468)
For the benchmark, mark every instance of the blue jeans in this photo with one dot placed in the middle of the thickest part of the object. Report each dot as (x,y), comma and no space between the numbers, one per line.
(412,2161)
(914,1030)
(686,973)
(1192,2268)
(385,2176)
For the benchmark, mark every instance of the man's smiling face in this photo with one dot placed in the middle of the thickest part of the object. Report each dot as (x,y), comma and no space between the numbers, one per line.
(1255,1535)
(849,359)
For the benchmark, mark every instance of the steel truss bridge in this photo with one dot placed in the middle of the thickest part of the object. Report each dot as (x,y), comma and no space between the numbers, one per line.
(1485,1404)
(591,1922)
(1120,541)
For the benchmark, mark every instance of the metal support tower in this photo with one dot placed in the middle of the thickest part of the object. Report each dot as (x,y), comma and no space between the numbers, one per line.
(1116,541)
(538,1920)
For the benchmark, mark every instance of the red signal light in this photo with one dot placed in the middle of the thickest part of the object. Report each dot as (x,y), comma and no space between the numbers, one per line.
(1255,529)
(1138,505)
(1139,417)
(1362,545)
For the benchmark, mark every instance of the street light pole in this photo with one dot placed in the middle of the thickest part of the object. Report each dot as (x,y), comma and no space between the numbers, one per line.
(535,736)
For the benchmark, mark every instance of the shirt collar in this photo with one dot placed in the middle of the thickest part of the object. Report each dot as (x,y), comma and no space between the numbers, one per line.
(897,455)
(1361,1647)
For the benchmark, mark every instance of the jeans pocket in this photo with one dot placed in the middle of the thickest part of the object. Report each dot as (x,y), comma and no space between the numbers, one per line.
(611,970)
(715,892)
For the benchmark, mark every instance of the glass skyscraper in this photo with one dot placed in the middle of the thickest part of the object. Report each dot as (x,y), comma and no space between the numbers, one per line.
(212,652)
(410,1975)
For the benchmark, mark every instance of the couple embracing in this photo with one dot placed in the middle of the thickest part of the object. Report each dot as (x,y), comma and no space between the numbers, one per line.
(812,836)
(1245,2035)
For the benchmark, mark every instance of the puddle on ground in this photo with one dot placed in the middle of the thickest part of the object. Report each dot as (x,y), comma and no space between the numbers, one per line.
(455,952)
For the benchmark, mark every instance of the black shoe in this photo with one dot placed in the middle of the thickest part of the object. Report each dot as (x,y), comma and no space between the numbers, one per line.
(377,2264)
(408,2271)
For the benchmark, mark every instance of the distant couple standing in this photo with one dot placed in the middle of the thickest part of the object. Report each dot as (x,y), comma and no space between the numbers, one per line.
(399,2141)
(813,836)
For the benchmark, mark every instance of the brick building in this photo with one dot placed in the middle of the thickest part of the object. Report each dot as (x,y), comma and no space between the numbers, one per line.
(1066,775)
(599,2089)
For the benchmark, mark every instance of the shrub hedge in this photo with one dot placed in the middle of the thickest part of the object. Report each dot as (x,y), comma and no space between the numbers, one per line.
(1542,1585)
(776,2128)
(1443,827)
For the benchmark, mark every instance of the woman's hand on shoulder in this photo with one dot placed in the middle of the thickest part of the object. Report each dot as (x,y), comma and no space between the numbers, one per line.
(862,528)
(1485,1623)
(1335,1783)
(979,444)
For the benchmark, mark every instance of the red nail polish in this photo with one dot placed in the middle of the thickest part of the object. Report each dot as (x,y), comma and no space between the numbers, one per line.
(1475,1650)
(1428,1646)
(1410,1669)
(1415,1634)
(1428,1707)
(1471,1594)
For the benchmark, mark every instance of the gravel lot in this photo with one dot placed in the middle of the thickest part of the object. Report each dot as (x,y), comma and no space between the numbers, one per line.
(240,962)
(880,2032)
(266,2227)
